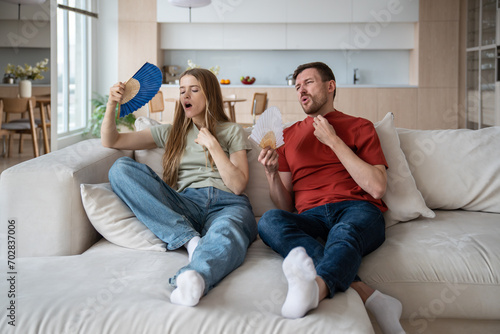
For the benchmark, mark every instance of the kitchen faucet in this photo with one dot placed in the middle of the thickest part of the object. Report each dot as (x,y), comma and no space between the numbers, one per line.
(356,77)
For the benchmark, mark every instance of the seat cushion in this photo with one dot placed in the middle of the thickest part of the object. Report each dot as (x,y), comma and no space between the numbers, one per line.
(446,267)
(16,126)
(110,289)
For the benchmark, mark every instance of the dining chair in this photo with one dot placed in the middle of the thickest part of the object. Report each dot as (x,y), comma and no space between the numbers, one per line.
(20,106)
(259,105)
(3,132)
(156,105)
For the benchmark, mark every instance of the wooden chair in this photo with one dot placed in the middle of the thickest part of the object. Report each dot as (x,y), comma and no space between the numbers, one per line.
(21,126)
(259,105)
(156,105)
(3,133)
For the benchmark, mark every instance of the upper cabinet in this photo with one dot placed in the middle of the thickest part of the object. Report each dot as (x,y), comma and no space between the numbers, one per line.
(290,25)
(292,11)
(385,11)
(318,11)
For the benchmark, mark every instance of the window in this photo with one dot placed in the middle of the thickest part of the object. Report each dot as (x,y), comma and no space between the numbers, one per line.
(73,65)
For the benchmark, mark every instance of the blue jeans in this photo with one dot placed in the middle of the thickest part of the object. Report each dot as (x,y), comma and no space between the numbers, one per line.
(336,236)
(225,221)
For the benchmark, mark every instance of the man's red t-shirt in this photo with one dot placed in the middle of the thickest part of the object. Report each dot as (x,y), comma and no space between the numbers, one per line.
(318,176)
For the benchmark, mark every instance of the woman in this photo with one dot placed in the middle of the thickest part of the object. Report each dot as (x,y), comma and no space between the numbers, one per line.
(199,202)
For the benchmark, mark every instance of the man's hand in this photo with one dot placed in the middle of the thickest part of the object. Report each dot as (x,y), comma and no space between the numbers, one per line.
(323,130)
(269,159)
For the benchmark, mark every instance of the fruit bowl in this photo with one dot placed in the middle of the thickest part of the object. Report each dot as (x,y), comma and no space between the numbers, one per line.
(247,80)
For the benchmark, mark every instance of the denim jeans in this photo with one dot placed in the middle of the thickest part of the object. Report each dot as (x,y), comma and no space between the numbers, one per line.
(336,236)
(224,221)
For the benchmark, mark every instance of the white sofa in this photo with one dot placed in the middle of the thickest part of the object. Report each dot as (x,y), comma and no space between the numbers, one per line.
(441,257)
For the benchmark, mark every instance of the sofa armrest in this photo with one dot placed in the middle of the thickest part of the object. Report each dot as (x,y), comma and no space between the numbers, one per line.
(42,196)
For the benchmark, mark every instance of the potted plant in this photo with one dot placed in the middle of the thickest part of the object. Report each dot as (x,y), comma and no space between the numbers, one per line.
(95,122)
(26,74)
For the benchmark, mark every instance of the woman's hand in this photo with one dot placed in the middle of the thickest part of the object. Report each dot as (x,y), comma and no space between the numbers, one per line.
(206,139)
(116,92)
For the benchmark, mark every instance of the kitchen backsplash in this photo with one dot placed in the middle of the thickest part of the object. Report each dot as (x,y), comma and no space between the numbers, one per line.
(375,67)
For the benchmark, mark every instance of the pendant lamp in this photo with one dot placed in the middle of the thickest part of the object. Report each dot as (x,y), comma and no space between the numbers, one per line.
(190,4)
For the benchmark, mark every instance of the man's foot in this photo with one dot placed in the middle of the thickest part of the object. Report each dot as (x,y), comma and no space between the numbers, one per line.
(190,288)
(387,310)
(303,291)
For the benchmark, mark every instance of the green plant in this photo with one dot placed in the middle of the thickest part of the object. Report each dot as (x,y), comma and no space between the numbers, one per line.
(95,122)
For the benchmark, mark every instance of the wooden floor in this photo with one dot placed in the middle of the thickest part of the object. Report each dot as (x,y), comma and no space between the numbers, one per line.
(16,157)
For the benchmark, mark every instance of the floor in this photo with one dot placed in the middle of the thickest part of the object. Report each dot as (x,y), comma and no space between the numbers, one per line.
(16,157)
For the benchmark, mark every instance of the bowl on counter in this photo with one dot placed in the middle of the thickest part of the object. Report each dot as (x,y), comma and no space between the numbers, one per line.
(247,80)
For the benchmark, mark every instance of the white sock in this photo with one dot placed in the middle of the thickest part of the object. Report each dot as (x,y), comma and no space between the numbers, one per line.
(303,291)
(190,288)
(191,246)
(387,310)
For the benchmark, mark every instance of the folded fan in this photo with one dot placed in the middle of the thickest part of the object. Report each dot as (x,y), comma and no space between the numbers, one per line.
(268,130)
(141,88)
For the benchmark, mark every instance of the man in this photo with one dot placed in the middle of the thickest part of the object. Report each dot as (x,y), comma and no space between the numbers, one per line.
(332,171)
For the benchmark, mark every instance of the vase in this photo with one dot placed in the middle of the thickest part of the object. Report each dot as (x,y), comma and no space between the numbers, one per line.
(25,88)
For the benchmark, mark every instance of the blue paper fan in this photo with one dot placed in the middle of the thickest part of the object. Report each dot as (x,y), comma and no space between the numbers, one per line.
(141,88)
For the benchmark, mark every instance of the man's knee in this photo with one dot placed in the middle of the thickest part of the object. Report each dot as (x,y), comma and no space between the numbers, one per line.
(270,220)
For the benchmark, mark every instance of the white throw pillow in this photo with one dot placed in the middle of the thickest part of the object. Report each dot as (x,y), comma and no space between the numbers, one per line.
(115,221)
(455,169)
(404,200)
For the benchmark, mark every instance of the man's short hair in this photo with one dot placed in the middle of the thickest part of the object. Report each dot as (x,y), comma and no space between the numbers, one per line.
(324,71)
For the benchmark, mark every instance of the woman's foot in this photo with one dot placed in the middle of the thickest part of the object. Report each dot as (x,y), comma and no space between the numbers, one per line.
(189,290)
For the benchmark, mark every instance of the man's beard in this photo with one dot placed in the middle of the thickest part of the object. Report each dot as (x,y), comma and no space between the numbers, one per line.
(316,104)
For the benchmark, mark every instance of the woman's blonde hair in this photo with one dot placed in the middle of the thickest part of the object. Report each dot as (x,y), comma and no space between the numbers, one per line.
(214,114)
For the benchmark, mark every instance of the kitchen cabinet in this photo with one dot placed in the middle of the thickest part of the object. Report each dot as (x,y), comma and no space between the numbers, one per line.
(254,37)
(226,11)
(385,11)
(194,36)
(396,36)
(310,36)
(318,11)
(368,102)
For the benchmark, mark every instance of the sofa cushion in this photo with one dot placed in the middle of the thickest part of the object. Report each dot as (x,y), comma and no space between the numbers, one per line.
(446,267)
(404,200)
(114,220)
(115,290)
(455,168)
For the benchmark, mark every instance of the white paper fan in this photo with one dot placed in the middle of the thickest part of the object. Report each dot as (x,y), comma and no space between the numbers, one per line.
(268,130)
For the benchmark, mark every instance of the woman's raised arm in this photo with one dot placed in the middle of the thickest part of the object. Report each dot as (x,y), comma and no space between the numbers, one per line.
(110,137)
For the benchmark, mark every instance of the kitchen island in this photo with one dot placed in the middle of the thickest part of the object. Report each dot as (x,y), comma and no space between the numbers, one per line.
(369,101)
